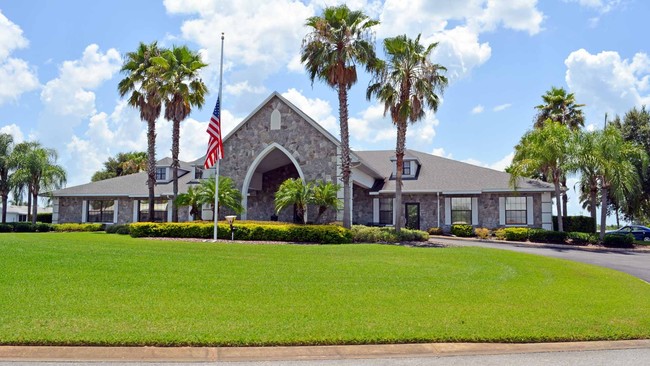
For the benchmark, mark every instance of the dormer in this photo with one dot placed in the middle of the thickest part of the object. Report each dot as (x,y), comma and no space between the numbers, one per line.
(164,170)
(162,174)
(411,168)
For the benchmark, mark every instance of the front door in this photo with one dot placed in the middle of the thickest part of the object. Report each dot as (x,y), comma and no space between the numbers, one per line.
(412,215)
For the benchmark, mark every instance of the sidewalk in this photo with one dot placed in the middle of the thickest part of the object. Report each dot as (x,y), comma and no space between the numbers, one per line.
(233,354)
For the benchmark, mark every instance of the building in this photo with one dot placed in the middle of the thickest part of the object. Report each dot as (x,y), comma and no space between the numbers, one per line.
(278,141)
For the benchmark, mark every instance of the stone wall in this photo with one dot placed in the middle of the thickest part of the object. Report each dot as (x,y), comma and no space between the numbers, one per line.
(70,209)
(361,205)
(261,204)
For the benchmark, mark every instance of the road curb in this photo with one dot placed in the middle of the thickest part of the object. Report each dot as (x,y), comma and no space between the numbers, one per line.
(238,354)
(527,244)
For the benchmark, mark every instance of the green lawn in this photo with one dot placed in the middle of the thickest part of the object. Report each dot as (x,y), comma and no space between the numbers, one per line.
(100,289)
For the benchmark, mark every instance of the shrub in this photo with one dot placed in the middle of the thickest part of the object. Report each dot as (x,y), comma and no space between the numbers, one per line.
(578,238)
(6,228)
(462,230)
(500,234)
(482,233)
(515,233)
(546,236)
(583,224)
(374,234)
(435,231)
(70,227)
(43,227)
(23,227)
(122,229)
(45,217)
(413,235)
(619,241)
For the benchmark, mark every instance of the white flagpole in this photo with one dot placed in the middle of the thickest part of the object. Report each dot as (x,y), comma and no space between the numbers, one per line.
(216,175)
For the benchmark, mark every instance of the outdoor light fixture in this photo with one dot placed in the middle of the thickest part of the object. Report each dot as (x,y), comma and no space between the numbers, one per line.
(231,221)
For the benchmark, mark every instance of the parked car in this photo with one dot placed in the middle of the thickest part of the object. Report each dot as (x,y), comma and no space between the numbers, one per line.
(640,233)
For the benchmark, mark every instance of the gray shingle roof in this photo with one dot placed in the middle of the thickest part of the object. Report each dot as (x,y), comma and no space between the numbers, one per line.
(438,174)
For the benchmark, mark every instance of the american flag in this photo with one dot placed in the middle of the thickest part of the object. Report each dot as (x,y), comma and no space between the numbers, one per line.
(215,144)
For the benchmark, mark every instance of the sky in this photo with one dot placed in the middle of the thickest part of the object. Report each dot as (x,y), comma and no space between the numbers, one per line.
(60,65)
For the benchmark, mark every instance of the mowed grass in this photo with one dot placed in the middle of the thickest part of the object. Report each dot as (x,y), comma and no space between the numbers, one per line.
(100,289)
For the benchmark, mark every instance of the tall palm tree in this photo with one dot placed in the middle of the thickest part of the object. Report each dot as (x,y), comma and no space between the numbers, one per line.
(543,150)
(37,166)
(617,173)
(294,192)
(229,196)
(583,160)
(143,83)
(6,165)
(324,195)
(182,89)
(338,40)
(406,83)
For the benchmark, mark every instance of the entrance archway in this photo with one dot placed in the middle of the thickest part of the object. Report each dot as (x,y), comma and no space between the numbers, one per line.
(270,168)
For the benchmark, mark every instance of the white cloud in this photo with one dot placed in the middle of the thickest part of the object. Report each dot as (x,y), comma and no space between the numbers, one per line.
(295,65)
(459,50)
(602,7)
(502,107)
(501,164)
(478,109)
(70,93)
(316,108)
(243,87)
(16,76)
(521,15)
(13,130)
(439,151)
(606,83)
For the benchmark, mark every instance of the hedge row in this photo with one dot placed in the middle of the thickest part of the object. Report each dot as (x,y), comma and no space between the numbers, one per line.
(582,224)
(24,227)
(324,234)
(373,234)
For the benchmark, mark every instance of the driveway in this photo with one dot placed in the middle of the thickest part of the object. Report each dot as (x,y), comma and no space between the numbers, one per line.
(634,262)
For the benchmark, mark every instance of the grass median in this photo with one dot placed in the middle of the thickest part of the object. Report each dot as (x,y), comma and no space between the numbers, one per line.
(101,289)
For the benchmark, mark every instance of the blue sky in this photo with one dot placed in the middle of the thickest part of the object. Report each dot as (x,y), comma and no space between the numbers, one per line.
(59,69)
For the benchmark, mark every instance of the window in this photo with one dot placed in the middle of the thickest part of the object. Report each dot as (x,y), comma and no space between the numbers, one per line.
(406,169)
(161,173)
(198,173)
(515,210)
(386,211)
(100,211)
(461,210)
(22,218)
(159,213)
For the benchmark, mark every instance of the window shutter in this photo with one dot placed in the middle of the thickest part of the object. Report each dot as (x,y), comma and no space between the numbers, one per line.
(395,212)
(84,211)
(136,205)
(375,210)
(169,211)
(115,211)
(502,210)
(530,217)
(474,210)
(447,211)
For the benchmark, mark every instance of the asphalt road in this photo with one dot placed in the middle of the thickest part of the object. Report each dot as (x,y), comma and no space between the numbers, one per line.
(636,263)
(629,357)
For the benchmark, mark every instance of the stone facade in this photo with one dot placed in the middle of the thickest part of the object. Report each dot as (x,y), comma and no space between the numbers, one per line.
(70,209)
(361,205)
(261,205)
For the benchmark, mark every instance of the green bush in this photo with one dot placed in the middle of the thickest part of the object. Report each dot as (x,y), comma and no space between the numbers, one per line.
(462,230)
(413,235)
(619,241)
(374,234)
(23,227)
(582,224)
(258,231)
(515,233)
(45,217)
(122,229)
(6,228)
(578,238)
(500,234)
(70,227)
(482,233)
(43,227)
(546,236)
(435,231)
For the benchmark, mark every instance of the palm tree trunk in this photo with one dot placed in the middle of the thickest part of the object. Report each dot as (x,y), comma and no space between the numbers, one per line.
(35,203)
(603,212)
(345,154)
(558,203)
(5,198)
(593,203)
(176,135)
(399,166)
(29,204)
(565,198)
(151,165)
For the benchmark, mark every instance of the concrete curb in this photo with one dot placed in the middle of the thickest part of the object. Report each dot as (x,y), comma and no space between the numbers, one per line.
(238,354)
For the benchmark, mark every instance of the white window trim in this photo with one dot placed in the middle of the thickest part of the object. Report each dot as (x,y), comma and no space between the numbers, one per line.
(84,211)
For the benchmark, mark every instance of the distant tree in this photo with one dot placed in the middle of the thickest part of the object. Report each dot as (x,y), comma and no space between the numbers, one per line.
(182,89)
(406,83)
(6,166)
(143,84)
(337,41)
(325,196)
(229,196)
(296,193)
(122,164)
(192,198)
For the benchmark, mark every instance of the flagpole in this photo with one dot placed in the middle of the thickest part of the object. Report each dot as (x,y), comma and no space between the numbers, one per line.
(216,175)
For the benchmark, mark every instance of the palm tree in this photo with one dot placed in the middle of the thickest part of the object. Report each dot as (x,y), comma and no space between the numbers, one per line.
(405,83)
(560,107)
(543,150)
(583,160)
(338,40)
(143,83)
(229,196)
(182,90)
(37,166)
(617,173)
(324,195)
(294,192)
(6,150)
(192,198)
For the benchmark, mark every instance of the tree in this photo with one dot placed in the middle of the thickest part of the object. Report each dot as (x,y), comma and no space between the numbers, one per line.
(192,198)
(324,195)
(182,89)
(294,192)
(229,196)
(37,166)
(583,160)
(6,165)
(405,83)
(143,83)
(543,150)
(122,164)
(338,40)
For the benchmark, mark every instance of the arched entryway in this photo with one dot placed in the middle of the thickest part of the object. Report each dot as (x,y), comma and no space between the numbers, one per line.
(269,169)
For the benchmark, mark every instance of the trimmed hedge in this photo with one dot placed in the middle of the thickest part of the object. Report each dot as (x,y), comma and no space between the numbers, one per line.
(619,241)
(257,231)
(547,236)
(515,233)
(45,217)
(71,227)
(24,227)
(435,231)
(462,230)
(582,224)
(578,238)
(482,233)
(374,234)
(122,229)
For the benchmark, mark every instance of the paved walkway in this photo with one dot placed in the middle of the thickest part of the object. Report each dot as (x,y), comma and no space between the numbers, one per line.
(240,354)
(634,262)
